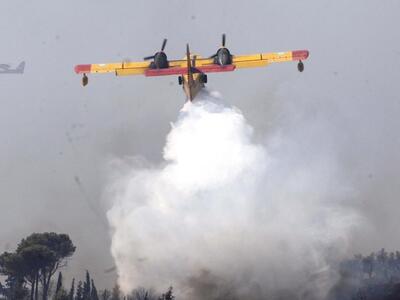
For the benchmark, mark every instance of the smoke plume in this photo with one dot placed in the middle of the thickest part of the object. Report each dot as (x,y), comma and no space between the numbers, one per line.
(224,217)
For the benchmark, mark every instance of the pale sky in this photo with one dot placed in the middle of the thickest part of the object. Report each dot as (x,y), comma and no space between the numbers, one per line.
(53,130)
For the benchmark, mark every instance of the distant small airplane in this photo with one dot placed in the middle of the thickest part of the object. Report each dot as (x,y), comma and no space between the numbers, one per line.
(5,69)
(192,70)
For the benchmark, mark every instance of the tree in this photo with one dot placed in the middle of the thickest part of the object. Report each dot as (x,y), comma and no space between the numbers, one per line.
(116,293)
(72,290)
(2,290)
(57,247)
(14,268)
(141,293)
(105,295)
(86,287)
(61,293)
(168,295)
(35,260)
(15,288)
(79,291)
(368,265)
(59,282)
(93,293)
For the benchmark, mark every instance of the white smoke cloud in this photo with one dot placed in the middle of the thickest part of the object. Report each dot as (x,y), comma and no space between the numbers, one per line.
(224,216)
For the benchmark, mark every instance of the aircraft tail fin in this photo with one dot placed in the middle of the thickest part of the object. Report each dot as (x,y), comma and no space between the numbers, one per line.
(189,72)
(21,67)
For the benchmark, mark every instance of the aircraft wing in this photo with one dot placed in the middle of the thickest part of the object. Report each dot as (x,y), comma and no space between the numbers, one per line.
(176,67)
(207,65)
(263,59)
(120,69)
(199,65)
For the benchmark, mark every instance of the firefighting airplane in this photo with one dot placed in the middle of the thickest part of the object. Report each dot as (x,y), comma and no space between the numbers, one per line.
(5,69)
(192,70)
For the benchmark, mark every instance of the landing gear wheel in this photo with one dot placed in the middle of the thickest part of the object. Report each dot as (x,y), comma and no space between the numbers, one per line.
(180,81)
(85,80)
(300,66)
(204,78)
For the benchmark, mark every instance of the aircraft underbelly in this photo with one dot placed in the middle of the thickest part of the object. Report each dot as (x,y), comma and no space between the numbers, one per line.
(191,90)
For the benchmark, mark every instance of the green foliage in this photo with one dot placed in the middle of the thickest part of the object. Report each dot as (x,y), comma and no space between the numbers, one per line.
(168,295)
(93,293)
(72,290)
(59,282)
(86,287)
(105,295)
(36,260)
(56,246)
(61,294)
(15,288)
(84,291)
(79,291)
(141,293)
(375,276)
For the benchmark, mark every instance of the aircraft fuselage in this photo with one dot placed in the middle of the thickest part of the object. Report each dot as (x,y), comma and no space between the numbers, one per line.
(193,87)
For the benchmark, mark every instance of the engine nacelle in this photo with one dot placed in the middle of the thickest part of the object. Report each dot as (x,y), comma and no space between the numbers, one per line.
(223,57)
(160,61)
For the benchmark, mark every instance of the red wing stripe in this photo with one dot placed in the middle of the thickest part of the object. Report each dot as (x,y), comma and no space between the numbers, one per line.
(167,71)
(183,71)
(216,68)
(300,54)
(79,69)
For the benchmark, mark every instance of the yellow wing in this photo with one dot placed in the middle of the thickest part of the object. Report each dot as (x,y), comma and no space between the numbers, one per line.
(263,59)
(201,64)
(121,68)
(138,68)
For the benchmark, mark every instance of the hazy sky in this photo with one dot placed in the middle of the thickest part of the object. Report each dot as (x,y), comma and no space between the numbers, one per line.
(57,137)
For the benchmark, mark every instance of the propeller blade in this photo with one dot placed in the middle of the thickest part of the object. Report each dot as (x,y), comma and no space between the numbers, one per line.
(187,53)
(194,61)
(223,40)
(149,57)
(163,44)
(213,56)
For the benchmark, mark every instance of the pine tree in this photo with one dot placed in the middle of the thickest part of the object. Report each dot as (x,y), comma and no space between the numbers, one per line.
(59,282)
(72,290)
(79,291)
(86,287)
(93,293)
(61,295)
(168,295)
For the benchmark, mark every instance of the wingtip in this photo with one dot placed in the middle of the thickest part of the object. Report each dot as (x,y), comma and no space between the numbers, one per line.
(79,69)
(300,54)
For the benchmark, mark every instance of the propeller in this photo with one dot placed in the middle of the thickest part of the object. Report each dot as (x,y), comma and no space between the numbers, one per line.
(194,61)
(223,45)
(164,43)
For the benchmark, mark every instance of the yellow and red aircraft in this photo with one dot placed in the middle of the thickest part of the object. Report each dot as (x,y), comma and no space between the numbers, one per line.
(192,70)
